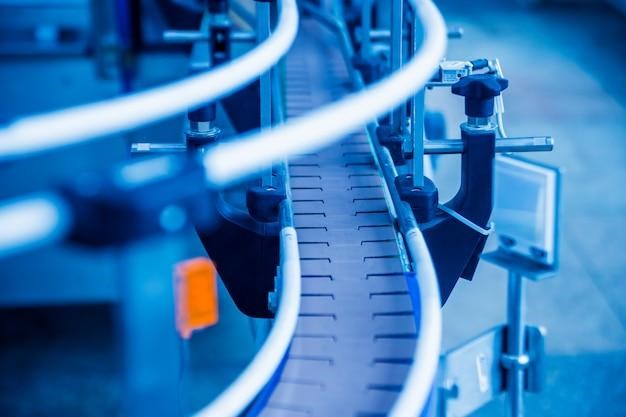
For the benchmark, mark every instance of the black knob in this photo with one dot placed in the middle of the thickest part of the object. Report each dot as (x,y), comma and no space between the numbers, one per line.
(479,91)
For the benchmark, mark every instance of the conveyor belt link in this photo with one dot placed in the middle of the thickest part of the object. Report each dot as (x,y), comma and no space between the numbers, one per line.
(356,334)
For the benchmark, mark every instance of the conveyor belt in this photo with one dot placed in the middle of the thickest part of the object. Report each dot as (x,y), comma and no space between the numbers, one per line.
(355,337)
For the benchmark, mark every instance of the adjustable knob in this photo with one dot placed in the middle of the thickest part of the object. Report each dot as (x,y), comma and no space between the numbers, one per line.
(479,91)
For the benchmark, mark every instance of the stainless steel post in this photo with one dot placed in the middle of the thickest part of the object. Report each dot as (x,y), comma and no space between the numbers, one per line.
(515,343)
(417,116)
(263,32)
(366,27)
(397,19)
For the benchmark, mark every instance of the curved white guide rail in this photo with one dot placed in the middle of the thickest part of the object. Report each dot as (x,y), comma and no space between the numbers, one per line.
(240,393)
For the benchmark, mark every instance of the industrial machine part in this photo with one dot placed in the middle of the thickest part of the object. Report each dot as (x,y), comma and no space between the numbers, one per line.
(338,238)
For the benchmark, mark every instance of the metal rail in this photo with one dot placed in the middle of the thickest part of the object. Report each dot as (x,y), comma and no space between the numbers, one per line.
(269,358)
(421,376)
(240,393)
(231,162)
(353,289)
(503,145)
(227,163)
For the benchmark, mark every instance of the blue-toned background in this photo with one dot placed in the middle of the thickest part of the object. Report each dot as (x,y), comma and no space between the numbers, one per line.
(567,66)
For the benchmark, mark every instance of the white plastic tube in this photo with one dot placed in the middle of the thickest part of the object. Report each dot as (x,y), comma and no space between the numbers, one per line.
(240,393)
(229,162)
(31,221)
(421,377)
(77,124)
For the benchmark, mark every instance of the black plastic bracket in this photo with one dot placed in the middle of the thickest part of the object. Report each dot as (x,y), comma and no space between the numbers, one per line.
(246,260)
(139,199)
(393,141)
(455,247)
(263,200)
(422,200)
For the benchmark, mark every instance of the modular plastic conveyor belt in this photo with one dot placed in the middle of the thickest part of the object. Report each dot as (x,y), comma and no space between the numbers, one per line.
(355,337)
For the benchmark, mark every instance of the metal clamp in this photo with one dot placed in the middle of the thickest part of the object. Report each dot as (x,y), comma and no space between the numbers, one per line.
(476,372)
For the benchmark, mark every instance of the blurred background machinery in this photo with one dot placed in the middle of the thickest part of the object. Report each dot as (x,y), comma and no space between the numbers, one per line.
(87,313)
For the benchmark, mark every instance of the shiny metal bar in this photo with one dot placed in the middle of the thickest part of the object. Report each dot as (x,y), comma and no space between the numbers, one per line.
(417,137)
(515,343)
(523,144)
(190,36)
(263,30)
(396,46)
(148,147)
(417,115)
(379,35)
(366,26)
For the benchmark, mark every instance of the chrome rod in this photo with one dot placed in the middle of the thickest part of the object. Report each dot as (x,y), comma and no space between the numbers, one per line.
(190,36)
(523,144)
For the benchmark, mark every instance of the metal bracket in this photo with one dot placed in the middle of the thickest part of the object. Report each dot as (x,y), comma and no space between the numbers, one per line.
(474,374)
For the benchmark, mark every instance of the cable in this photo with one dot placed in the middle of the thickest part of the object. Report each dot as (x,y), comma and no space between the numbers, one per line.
(500,104)
(74,125)
(467,222)
(230,162)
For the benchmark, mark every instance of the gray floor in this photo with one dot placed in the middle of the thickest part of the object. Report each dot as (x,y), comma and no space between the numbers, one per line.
(562,67)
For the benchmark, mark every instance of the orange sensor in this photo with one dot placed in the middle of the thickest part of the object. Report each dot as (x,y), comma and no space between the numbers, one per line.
(196,295)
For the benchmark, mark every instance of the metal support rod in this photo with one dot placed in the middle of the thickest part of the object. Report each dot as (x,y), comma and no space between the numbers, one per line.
(417,116)
(366,26)
(515,343)
(396,43)
(150,147)
(382,35)
(503,145)
(417,137)
(191,36)
(263,31)
(378,35)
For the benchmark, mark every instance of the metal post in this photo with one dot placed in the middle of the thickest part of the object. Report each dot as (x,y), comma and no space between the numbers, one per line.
(366,27)
(417,136)
(515,343)
(150,345)
(263,32)
(417,116)
(397,14)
